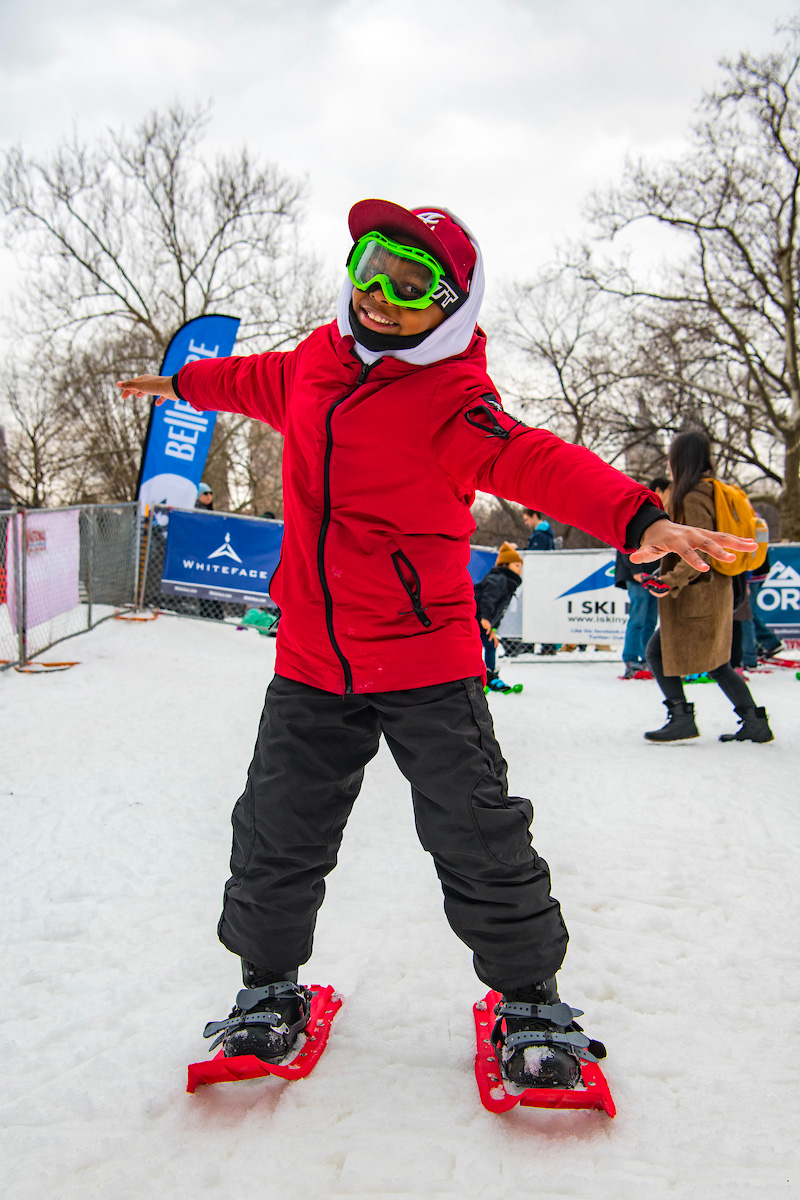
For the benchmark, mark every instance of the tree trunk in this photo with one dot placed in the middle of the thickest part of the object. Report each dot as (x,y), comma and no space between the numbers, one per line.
(790,497)
(217,469)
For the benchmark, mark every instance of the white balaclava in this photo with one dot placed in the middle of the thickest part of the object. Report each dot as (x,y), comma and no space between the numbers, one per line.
(451,337)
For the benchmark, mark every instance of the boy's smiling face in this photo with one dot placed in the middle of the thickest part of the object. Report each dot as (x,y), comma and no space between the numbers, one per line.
(375,312)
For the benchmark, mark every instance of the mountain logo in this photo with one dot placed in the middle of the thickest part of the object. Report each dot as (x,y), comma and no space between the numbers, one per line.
(780,590)
(226,550)
(603,577)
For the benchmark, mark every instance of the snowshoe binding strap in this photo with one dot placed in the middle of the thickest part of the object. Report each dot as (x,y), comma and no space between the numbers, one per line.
(570,1035)
(559,1014)
(577,1042)
(248,999)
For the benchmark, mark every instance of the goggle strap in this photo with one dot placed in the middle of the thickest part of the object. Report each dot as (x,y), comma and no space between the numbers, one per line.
(449,296)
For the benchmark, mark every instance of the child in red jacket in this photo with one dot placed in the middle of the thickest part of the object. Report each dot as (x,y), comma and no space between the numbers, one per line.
(391,422)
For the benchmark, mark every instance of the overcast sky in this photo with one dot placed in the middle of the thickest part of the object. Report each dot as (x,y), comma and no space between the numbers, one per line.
(509,112)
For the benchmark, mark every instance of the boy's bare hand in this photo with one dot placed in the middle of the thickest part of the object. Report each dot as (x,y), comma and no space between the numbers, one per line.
(148,385)
(665,537)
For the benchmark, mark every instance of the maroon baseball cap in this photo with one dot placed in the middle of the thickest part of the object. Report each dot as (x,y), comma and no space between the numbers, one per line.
(434,229)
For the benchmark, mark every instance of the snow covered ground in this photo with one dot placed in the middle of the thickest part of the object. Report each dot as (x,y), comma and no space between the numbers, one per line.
(676,867)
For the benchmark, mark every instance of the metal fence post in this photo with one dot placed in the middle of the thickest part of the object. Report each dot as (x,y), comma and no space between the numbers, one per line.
(146,555)
(21,572)
(90,527)
(137,553)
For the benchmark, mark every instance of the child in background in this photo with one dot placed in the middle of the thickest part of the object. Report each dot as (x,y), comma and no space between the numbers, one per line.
(492,598)
(391,423)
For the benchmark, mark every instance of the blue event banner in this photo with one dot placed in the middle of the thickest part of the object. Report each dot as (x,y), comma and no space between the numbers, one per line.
(178,436)
(481,562)
(221,557)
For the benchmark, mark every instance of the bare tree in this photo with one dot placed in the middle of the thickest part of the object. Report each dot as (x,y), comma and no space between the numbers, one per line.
(560,331)
(125,241)
(733,197)
(37,450)
(681,377)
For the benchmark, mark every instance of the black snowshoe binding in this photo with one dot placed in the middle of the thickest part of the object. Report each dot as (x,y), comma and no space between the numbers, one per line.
(265,1021)
(537,1041)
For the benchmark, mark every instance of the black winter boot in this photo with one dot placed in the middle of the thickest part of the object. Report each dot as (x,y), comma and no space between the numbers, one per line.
(753,727)
(680,723)
(541,1046)
(267,1017)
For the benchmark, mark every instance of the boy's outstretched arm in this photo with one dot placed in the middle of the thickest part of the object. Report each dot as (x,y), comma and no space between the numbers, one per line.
(482,446)
(148,385)
(254,385)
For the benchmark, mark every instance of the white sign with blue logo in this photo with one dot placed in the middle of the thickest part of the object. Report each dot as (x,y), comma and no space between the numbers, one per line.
(569,596)
(221,557)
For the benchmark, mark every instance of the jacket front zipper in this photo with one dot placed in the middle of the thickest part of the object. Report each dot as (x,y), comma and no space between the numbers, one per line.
(326,520)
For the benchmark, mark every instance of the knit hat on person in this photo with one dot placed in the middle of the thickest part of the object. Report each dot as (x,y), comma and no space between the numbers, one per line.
(507,554)
(202,489)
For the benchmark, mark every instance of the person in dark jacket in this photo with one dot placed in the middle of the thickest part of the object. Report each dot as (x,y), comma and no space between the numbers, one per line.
(767,643)
(541,535)
(205,498)
(492,598)
(541,538)
(643,605)
(391,424)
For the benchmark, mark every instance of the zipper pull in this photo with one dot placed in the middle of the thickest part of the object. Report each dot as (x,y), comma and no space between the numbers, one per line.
(364,372)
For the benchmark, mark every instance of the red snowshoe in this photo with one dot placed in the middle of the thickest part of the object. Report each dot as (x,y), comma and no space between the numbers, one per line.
(299,1062)
(497,1095)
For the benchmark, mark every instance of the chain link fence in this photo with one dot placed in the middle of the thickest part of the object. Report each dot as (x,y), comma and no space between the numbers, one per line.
(63,571)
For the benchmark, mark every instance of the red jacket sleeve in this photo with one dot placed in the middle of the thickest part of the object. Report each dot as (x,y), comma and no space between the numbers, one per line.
(255,385)
(484,448)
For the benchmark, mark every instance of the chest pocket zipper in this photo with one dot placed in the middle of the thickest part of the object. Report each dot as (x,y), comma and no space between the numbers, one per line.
(407,574)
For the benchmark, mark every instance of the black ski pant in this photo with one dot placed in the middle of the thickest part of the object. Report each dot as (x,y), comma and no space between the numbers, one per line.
(306,772)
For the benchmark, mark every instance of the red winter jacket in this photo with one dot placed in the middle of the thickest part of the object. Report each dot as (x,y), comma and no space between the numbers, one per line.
(380,468)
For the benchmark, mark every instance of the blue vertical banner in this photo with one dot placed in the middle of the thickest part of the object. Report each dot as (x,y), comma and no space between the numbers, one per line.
(178,436)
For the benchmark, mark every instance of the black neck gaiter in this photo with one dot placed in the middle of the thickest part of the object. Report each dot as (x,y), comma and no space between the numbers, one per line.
(378,343)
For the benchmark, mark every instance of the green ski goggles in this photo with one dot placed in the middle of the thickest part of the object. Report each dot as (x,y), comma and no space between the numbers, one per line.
(407,276)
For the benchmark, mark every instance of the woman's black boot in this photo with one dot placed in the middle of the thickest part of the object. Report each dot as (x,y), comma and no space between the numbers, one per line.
(680,723)
(754,727)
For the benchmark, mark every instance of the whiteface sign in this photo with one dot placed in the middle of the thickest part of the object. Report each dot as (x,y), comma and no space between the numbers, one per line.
(220,557)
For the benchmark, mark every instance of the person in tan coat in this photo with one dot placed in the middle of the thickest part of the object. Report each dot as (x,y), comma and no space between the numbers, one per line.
(696,615)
